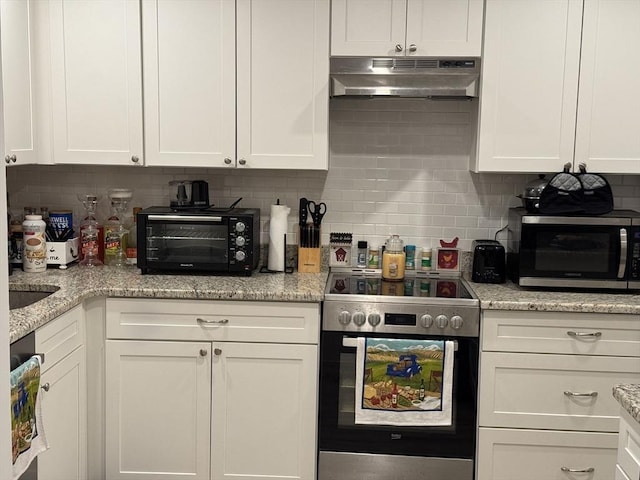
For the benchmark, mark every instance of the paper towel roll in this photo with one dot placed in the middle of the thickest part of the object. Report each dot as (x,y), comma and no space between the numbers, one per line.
(277,232)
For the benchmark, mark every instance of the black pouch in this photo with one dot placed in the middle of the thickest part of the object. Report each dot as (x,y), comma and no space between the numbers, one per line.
(597,197)
(563,194)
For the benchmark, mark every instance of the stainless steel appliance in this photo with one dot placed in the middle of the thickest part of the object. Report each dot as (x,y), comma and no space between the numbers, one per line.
(422,77)
(600,252)
(214,240)
(359,303)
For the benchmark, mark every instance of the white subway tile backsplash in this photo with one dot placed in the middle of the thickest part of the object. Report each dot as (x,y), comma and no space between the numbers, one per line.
(396,166)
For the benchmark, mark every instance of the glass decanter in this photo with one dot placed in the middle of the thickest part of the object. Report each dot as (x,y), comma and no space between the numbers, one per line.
(91,232)
(115,237)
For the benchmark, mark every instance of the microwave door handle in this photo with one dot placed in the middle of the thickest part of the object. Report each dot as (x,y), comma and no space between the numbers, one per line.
(622,266)
(185,218)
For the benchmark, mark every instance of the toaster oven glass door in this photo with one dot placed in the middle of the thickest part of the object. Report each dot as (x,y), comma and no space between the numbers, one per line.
(199,242)
(573,251)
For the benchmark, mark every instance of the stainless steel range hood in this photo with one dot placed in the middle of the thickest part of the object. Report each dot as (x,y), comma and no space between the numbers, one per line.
(423,77)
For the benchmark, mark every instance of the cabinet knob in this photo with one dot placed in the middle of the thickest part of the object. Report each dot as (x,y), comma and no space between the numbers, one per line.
(135,159)
(10,158)
(242,161)
(203,352)
(227,161)
(46,387)
(413,47)
(398,47)
(217,351)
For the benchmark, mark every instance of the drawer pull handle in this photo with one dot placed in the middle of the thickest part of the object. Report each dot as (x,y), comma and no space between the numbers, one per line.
(584,334)
(574,394)
(578,470)
(46,387)
(224,321)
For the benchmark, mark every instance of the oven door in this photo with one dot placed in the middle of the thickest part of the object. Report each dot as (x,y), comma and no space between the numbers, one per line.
(340,433)
(186,242)
(574,255)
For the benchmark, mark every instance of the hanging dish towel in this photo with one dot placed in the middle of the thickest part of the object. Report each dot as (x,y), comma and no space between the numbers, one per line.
(27,431)
(404,382)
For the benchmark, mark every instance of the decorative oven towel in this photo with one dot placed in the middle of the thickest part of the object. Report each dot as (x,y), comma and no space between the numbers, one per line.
(404,382)
(27,432)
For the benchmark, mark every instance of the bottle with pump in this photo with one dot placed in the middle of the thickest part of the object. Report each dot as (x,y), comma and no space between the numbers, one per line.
(393,259)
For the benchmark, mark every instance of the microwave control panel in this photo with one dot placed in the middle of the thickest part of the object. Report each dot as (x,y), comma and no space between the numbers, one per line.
(243,231)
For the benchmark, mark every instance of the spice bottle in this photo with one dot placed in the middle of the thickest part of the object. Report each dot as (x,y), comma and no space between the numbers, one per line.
(426,259)
(361,259)
(34,257)
(410,251)
(393,259)
(374,258)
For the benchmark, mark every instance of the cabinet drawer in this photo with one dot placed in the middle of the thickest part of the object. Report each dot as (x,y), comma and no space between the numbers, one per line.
(61,336)
(559,332)
(506,454)
(528,391)
(629,446)
(208,320)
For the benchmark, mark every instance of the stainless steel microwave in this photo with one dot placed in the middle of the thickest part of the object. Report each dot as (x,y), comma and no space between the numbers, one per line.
(216,241)
(596,252)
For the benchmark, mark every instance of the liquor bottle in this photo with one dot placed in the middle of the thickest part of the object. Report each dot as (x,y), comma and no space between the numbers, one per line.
(421,394)
(115,240)
(394,396)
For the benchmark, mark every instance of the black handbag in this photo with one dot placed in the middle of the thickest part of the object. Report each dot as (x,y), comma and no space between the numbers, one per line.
(581,194)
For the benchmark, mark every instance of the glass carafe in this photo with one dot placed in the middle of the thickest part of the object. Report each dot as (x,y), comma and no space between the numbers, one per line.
(91,233)
(115,232)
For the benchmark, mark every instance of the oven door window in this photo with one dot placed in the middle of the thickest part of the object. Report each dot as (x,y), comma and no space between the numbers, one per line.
(187,243)
(566,251)
(339,432)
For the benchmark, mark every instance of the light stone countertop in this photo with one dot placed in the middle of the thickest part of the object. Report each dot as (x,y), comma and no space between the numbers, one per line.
(629,397)
(77,284)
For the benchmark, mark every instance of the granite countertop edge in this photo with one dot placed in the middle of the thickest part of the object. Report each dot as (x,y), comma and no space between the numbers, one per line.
(628,395)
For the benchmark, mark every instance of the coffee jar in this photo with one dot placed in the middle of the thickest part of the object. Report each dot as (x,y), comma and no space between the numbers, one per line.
(393,259)
(34,255)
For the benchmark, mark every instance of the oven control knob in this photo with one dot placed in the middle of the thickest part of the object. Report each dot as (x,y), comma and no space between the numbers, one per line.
(240,256)
(240,227)
(441,321)
(359,318)
(344,317)
(240,241)
(374,319)
(426,320)
(456,322)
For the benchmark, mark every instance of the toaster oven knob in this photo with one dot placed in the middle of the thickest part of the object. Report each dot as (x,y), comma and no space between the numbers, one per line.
(441,321)
(240,241)
(240,255)
(374,319)
(344,317)
(456,322)
(359,318)
(426,320)
(240,227)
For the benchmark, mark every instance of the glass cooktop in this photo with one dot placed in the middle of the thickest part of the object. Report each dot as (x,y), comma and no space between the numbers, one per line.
(415,285)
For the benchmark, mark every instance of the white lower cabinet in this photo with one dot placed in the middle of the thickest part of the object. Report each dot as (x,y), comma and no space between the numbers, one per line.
(63,393)
(545,408)
(628,447)
(227,405)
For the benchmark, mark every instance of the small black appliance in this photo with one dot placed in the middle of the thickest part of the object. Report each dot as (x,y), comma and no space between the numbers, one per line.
(488,262)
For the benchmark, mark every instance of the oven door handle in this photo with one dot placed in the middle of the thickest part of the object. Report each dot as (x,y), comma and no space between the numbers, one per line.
(185,218)
(622,266)
(352,342)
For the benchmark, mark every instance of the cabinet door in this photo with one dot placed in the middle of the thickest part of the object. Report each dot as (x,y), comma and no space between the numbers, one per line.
(607,137)
(444,27)
(96,81)
(362,27)
(264,411)
(64,412)
(283,78)
(529,85)
(17,81)
(189,82)
(157,420)
(505,454)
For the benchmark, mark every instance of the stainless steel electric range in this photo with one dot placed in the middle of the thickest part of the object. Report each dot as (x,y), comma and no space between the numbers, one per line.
(424,307)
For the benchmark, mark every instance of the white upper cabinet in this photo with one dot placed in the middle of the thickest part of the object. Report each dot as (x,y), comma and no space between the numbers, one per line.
(557,89)
(189,82)
(608,126)
(16,42)
(283,80)
(406,27)
(96,81)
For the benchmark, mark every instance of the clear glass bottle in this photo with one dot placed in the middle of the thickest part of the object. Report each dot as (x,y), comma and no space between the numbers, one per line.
(115,239)
(393,259)
(91,233)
